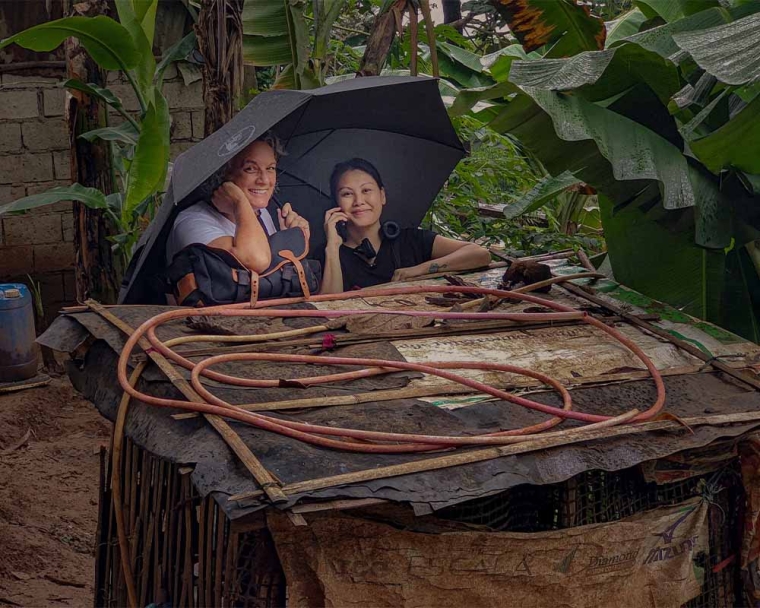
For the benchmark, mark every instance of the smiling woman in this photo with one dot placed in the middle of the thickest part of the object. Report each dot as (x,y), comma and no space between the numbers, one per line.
(236,218)
(362,252)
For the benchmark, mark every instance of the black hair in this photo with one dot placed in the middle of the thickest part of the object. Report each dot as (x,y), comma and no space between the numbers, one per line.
(352,164)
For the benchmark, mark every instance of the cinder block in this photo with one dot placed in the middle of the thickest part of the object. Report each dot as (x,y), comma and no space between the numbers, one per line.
(126,93)
(69,285)
(51,287)
(24,168)
(62,163)
(178,148)
(67,226)
(50,134)
(54,256)
(8,194)
(10,137)
(15,261)
(44,187)
(16,104)
(171,72)
(182,126)
(32,229)
(199,120)
(181,97)
(28,81)
(54,102)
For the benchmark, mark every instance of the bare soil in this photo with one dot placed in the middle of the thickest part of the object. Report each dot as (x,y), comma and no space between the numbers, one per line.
(49,495)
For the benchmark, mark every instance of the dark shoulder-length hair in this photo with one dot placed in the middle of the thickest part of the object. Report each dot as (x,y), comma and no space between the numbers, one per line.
(353,164)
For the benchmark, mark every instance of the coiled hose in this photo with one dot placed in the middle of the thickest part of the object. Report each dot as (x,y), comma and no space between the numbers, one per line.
(357,440)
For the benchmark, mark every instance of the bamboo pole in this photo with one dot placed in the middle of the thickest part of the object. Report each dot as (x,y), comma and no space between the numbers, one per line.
(118,436)
(262,476)
(682,344)
(547,441)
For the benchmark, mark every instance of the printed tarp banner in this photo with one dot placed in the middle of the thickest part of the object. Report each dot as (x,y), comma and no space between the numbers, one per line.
(645,560)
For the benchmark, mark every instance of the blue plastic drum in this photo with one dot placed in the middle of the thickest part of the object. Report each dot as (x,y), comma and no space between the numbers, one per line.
(18,357)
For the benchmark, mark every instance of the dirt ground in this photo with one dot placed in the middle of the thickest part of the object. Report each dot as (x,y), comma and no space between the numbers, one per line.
(48,495)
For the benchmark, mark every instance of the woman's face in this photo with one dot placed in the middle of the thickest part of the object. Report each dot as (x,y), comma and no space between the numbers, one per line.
(360,198)
(254,171)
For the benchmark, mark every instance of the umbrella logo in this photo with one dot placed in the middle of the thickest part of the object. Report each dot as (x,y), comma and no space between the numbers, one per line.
(238,141)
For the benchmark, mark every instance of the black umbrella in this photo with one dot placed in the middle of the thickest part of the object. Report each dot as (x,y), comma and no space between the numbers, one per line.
(397,123)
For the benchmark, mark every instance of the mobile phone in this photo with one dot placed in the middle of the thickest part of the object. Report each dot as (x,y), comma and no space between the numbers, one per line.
(342,229)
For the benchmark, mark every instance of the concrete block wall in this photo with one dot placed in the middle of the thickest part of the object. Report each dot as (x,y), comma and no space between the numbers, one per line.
(35,156)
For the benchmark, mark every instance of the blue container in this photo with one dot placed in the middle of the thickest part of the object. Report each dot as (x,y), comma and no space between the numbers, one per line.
(18,357)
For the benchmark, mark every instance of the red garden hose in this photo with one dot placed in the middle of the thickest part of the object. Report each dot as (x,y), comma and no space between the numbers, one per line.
(378,441)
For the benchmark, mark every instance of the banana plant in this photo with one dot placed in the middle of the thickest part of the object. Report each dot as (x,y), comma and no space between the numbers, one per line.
(278,33)
(662,120)
(139,145)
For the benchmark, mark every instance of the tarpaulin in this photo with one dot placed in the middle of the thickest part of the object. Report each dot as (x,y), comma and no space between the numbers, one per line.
(647,560)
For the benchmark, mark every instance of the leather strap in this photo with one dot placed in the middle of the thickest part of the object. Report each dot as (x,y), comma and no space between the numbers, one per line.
(254,288)
(291,257)
(185,286)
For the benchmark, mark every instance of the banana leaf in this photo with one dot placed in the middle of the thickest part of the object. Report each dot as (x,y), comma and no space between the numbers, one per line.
(565,24)
(108,42)
(626,25)
(735,145)
(663,262)
(730,52)
(91,197)
(148,169)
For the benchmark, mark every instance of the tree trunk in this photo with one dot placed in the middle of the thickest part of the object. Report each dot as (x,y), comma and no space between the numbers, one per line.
(98,272)
(380,39)
(220,41)
(452,12)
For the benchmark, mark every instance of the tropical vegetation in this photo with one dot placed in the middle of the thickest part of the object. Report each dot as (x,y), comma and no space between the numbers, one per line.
(636,116)
(139,145)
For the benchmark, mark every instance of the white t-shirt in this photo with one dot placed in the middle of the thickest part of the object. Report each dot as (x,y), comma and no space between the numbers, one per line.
(202,223)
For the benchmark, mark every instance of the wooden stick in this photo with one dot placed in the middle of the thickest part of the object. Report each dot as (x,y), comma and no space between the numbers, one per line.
(338,505)
(425,7)
(368,397)
(221,524)
(558,279)
(441,390)
(98,599)
(550,440)
(475,327)
(585,262)
(542,257)
(254,466)
(682,344)
(202,553)
(413,38)
(118,436)
(209,550)
(188,574)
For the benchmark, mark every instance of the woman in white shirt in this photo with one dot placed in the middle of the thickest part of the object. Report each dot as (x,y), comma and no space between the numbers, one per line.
(236,218)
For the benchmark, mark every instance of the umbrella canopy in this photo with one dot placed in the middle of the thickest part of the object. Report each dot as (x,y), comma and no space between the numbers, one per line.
(397,123)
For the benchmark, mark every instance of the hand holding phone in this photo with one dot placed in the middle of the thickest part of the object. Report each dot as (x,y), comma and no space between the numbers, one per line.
(336,226)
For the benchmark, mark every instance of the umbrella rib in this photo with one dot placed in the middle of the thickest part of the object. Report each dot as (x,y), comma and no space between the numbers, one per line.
(459,148)
(330,132)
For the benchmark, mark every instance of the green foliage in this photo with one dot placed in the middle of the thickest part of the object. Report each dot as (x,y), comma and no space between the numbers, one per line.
(660,124)
(496,172)
(139,146)
(294,35)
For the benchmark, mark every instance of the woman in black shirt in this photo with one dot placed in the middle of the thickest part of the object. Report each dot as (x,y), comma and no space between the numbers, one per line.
(367,256)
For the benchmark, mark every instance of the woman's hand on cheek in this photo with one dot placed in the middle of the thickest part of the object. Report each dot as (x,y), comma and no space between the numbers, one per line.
(227,196)
(332,217)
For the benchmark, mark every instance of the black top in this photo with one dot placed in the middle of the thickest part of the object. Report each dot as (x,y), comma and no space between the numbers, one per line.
(412,246)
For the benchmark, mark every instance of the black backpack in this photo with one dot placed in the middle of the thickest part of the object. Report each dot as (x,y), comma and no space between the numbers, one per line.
(206,276)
